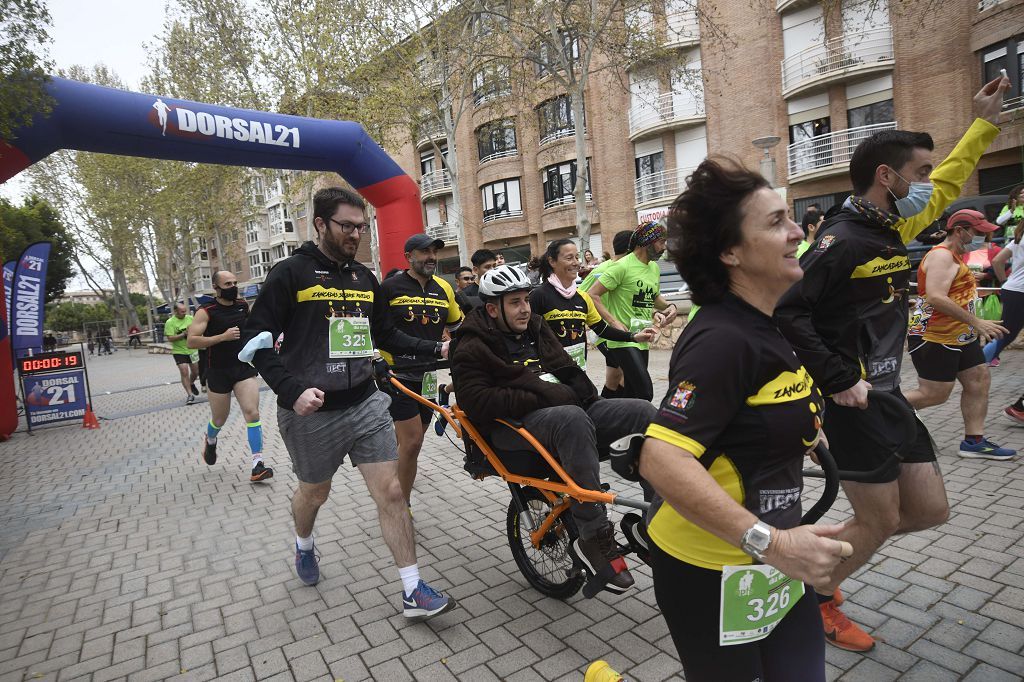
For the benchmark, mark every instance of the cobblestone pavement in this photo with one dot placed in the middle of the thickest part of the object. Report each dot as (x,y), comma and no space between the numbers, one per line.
(122,556)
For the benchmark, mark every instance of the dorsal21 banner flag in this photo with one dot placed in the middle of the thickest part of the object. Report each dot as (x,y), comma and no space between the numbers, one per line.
(28,294)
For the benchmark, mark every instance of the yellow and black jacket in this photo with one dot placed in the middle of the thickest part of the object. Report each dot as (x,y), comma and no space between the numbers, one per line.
(420,311)
(300,296)
(847,318)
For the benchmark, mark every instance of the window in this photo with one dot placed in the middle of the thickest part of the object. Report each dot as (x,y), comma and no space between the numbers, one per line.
(1007,55)
(264,256)
(491,82)
(559,181)
(300,210)
(650,176)
(428,161)
(496,139)
(501,199)
(255,269)
(200,249)
(809,153)
(870,114)
(278,251)
(252,232)
(556,119)
(550,60)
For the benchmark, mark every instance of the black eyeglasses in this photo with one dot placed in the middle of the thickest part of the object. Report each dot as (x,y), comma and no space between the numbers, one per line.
(347,227)
(467,279)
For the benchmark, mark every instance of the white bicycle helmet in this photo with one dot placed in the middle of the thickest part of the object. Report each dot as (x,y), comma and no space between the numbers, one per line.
(502,280)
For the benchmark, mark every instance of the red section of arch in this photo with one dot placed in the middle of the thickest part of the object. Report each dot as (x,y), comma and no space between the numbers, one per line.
(8,405)
(399,216)
(12,160)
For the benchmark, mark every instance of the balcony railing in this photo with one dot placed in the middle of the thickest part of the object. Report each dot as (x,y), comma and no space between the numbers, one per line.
(498,215)
(484,95)
(557,135)
(864,50)
(444,231)
(683,28)
(1013,103)
(429,131)
(499,155)
(831,151)
(561,201)
(666,184)
(435,181)
(668,108)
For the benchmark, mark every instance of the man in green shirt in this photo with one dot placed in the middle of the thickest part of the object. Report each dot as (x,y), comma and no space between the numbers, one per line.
(631,291)
(187,360)
(612,373)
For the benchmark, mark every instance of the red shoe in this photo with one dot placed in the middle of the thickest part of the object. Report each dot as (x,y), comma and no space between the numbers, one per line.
(840,631)
(837,597)
(1014,414)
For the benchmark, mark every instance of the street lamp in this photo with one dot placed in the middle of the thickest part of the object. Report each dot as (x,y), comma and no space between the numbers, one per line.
(767,161)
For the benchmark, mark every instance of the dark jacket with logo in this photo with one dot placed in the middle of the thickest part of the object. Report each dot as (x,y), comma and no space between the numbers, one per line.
(847,318)
(489,386)
(300,296)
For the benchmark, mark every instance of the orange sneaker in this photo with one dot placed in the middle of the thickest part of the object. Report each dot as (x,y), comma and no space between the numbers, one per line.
(840,631)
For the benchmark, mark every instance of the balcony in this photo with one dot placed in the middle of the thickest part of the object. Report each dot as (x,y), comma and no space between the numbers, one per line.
(828,154)
(557,135)
(837,59)
(498,215)
(561,201)
(436,182)
(508,153)
(683,29)
(428,132)
(444,232)
(1014,103)
(660,187)
(670,110)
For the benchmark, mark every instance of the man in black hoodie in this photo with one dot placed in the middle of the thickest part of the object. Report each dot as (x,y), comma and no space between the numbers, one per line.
(333,313)
(509,364)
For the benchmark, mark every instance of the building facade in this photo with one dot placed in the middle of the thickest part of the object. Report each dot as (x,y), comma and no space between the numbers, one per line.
(820,77)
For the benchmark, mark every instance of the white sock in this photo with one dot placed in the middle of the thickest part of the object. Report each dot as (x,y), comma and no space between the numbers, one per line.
(305,544)
(410,576)
(257,457)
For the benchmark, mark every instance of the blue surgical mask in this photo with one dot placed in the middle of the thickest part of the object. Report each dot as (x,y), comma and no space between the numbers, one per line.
(916,200)
(976,243)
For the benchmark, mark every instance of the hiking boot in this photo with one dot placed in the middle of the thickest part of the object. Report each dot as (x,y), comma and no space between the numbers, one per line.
(841,632)
(209,452)
(1014,414)
(985,449)
(307,565)
(601,551)
(425,602)
(600,671)
(261,473)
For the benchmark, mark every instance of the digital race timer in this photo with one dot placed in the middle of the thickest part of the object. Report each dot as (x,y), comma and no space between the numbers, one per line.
(50,362)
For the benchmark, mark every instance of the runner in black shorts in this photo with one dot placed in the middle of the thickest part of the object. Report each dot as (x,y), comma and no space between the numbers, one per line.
(422,305)
(612,373)
(217,328)
(725,451)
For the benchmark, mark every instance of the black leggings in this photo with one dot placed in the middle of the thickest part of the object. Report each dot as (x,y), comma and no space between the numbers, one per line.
(636,381)
(689,597)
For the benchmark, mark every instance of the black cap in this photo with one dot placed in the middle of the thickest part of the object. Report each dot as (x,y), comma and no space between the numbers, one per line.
(422,241)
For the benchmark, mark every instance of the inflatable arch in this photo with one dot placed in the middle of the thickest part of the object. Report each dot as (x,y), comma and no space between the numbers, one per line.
(93,118)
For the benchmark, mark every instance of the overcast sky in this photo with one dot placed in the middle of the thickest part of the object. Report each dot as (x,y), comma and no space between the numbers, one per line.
(107,31)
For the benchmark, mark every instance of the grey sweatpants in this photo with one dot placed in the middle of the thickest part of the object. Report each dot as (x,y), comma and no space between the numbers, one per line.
(571,435)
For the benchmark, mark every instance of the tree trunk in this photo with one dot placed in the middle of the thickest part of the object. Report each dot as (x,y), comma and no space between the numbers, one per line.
(580,190)
(453,171)
(121,295)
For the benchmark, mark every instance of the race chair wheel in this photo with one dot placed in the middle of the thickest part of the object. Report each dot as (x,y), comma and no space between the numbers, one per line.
(548,568)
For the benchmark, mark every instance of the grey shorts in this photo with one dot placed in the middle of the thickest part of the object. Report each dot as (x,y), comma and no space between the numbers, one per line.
(318,443)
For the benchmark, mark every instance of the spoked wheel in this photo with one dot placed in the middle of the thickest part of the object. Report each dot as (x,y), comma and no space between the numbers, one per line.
(547,568)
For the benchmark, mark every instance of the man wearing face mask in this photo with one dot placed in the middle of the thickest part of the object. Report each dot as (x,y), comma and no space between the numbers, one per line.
(217,329)
(421,305)
(946,335)
(847,321)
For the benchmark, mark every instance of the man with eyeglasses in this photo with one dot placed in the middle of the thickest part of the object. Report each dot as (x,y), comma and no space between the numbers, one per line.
(463,279)
(333,314)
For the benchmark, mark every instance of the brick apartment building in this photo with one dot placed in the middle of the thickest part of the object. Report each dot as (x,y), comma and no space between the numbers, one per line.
(821,77)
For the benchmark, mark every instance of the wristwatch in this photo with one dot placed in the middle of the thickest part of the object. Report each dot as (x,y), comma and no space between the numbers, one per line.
(437,349)
(756,540)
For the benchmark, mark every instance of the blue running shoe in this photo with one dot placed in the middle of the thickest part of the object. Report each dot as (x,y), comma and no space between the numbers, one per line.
(440,424)
(985,449)
(425,602)
(307,565)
